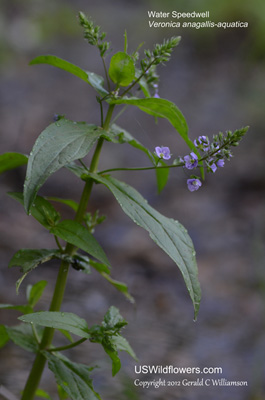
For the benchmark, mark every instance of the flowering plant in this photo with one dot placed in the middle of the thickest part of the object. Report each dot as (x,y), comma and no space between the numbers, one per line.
(133,81)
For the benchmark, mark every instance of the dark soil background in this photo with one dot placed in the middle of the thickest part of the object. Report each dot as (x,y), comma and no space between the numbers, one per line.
(217,78)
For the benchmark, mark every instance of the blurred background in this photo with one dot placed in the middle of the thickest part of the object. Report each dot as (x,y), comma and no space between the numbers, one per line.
(217,78)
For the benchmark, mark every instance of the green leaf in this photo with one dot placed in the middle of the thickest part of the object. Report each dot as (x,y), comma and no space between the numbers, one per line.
(78,170)
(113,319)
(93,79)
(44,395)
(72,377)
(142,83)
(11,160)
(164,109)
(122,344)
(23,337)
(28,259)
(113,354)
(59,320)
(4,337)
(23,309)
(125,137)
(35,292)
(41,210)
(121,70)
(99,267)
(62,393)
(76,234)
(58,145)
(107,335)
(162,175)
(67,335)
(70,203)
(97,82)
(120,286)
(168,234)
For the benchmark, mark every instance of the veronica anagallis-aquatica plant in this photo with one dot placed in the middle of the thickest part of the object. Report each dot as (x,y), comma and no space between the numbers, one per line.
(129,81)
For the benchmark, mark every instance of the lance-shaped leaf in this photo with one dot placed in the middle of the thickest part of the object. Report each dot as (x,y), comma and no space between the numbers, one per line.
(112,352)
(142,83)
(11,160)
(59,320)
(76,234)
(120,135)
(96,81)
(68,202)
(28,259)
(162,175)
(44,395)
(163,109)
(167,233)
(125,137)
(24,309)
(72,377)
(22,336)
(107,334)
(113,319)
(62,393)
(105,272)
(34,292)
(59,144)
(122,344)
(4,338)
(41,210)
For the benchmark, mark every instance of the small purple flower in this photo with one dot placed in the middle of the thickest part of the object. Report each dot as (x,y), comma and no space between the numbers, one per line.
(220,163)
(156,95)
(213,167)
(163,152)
(193,184)
(216,147)
(202,143)
(191,161)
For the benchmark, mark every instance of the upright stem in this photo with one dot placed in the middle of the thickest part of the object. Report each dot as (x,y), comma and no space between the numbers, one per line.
(39,363)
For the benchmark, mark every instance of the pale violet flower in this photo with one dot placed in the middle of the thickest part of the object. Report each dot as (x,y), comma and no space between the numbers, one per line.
(193,184)
(163,152)
(191,161)
(202,143)
(156,95)
(220,163)
(213,167)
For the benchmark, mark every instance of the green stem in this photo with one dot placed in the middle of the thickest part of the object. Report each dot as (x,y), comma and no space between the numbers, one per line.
(140,168)
(58,243)
(69,346)
(106,73)
(39,363)
(120,113)
(35,333)
(166,166)
(83,164)
(139,78)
